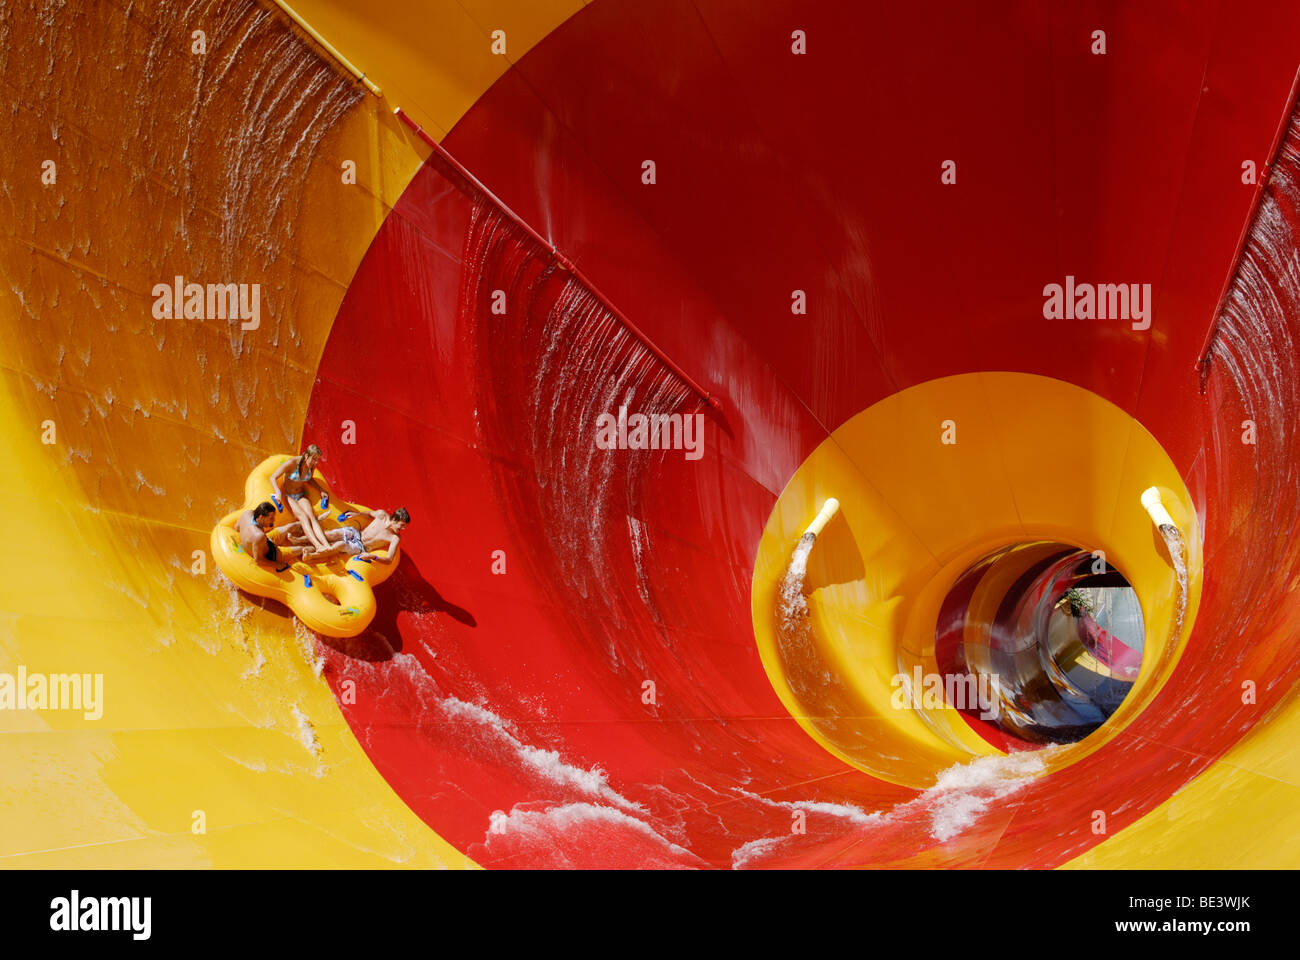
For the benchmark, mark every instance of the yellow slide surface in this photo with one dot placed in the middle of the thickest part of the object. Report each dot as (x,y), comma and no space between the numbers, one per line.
(127,436)
(194,728)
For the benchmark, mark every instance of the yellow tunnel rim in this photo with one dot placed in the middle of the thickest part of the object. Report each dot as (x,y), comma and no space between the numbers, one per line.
(888,562)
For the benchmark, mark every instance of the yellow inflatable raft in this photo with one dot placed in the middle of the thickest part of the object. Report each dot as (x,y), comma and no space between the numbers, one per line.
(334,597)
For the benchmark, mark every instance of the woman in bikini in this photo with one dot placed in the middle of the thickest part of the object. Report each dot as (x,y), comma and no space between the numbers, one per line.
(292,489)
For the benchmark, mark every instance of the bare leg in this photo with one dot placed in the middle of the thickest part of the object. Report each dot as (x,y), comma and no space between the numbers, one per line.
(292,534)
(310,525)
(334,550)
(311,554)
(296,537)
(314,494)
(300,539)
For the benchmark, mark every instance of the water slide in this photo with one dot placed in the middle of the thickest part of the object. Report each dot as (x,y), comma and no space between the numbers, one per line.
(813,245)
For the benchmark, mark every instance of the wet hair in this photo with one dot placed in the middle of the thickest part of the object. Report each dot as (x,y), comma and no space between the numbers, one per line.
(311,451)
(401,515)
(262,509)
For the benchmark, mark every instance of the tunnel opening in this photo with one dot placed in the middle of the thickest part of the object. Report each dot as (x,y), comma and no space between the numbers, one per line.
(946,565)
(1047,637)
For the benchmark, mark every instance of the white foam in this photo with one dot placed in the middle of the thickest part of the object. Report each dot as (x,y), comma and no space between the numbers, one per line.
(551,825)
(546,763)
(255,668)
(755,850)
(257,766)
(306,732)
(141,482)
(845,811)
(960,796)
(963,792)
(306,638)
(792,604)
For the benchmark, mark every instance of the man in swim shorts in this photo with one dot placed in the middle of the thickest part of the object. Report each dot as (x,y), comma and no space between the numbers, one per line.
(383,531)
(255,528)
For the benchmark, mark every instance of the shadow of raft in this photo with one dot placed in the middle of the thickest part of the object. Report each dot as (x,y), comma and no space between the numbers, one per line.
(406,591)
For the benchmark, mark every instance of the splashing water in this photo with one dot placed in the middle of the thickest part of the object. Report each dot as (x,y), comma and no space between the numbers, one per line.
(1254,353)
(1178,556)
(547,764)
(204,174)
(577,834)
(306,731)
(579,361)
(792,607)
(794,633)
(961,796)
(811,676)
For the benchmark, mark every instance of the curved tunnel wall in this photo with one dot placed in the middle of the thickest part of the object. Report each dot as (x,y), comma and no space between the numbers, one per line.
(167,163)
(908,283)
(506,709)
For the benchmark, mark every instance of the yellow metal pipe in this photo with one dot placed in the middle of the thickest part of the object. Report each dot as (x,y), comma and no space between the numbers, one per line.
(330,48)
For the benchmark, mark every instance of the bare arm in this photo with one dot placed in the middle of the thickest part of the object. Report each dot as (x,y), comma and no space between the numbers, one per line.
(321,496)
(280,471)
(254,545)
(392,551)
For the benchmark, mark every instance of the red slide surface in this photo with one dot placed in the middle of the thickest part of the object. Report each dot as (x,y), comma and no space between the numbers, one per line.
(502,694)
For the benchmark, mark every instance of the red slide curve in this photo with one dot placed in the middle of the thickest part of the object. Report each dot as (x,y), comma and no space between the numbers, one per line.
(502,689)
